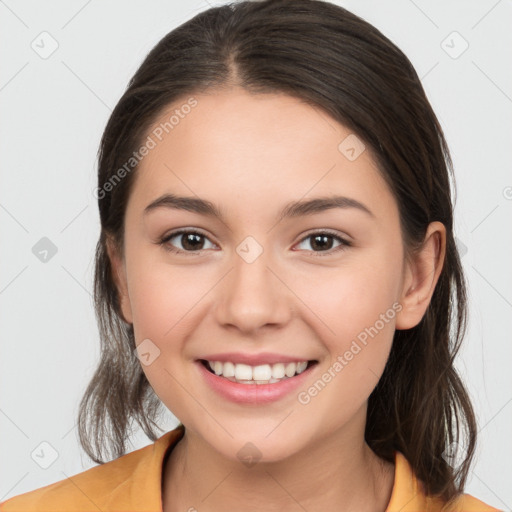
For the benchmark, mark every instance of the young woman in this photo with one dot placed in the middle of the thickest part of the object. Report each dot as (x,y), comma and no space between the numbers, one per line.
(277,267)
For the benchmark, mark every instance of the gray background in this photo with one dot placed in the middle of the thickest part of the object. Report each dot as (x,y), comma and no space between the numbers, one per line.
(54,108)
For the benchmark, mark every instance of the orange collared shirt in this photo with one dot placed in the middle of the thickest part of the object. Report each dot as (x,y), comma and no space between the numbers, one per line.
(132,483)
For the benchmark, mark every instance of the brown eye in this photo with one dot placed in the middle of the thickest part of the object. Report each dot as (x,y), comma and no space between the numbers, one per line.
(190,241)
(322,242)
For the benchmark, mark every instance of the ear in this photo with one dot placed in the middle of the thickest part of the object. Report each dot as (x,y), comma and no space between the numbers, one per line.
(119,274)
(422,271)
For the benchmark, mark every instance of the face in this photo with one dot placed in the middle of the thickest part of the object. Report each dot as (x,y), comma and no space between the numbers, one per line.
(320,284)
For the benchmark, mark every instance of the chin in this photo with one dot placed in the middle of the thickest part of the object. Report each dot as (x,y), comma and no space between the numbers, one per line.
(255,446)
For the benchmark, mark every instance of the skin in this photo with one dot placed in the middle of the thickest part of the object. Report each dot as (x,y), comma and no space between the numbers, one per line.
(250,155)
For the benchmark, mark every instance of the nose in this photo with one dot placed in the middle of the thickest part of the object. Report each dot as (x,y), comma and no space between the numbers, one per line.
(253,295)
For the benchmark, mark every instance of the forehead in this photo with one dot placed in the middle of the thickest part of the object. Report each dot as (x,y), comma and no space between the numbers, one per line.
(257,149)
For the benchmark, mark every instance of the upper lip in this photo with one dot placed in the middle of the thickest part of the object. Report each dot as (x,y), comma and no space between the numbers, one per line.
(254,359)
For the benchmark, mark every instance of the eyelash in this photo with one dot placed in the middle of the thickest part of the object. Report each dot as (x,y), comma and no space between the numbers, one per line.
(343,243)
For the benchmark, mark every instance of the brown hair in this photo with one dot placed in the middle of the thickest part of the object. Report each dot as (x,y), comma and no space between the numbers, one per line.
(339,63)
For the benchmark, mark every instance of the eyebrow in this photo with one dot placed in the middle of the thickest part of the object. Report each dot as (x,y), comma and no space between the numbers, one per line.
(293,209)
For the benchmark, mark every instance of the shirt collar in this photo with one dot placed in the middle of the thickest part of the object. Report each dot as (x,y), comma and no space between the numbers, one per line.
(407,494)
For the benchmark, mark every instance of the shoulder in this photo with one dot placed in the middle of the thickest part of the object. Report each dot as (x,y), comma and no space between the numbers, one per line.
(468,503)
(408,494)
(131,482)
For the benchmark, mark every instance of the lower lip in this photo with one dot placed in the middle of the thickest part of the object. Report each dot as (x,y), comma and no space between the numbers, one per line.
(253,393)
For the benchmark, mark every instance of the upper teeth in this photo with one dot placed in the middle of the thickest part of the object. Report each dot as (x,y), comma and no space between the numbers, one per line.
(257,373)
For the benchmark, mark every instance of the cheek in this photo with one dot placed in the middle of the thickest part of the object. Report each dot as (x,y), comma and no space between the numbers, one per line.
(162,296)
(165,302)
(358,299)
(358,305)
(354,295)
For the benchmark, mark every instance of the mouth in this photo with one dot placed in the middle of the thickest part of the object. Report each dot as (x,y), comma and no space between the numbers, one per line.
(259,374)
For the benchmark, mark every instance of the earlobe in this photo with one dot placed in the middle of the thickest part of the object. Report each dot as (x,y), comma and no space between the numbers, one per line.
(422,271)
(119,275)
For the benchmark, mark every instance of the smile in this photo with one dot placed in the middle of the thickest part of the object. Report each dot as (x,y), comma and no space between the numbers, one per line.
(261,374)
(257,385)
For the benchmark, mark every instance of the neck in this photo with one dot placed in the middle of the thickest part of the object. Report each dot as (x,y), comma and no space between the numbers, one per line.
(337,472)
